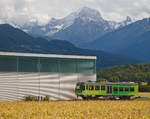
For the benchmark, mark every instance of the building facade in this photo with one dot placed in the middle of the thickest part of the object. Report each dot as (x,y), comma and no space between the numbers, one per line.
(23,74)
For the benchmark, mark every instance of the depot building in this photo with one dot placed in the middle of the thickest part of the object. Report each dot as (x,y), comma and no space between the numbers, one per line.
(23,74)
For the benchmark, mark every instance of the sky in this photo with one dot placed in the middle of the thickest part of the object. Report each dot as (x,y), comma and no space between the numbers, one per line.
(23,11)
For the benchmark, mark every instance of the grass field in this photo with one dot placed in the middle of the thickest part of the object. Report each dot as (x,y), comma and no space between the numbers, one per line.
(144,94)
(99,109)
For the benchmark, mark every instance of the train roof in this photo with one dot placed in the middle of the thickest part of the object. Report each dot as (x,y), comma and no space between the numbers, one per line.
(111,83)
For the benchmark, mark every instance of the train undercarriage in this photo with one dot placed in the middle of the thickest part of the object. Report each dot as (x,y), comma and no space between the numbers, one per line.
(100,97)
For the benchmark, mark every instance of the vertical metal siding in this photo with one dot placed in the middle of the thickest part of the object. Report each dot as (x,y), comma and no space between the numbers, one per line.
(67,85)
(28,84)
(49,85)
(8,86)
(15,86)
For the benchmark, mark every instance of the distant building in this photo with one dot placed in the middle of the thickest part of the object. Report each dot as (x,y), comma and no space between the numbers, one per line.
(23,74)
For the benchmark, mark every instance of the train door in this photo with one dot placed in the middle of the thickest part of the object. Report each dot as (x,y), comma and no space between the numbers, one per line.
(109,89)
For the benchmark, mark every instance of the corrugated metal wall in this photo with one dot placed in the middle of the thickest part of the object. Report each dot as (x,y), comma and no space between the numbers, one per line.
(60,86)
(21,76)
(8,86)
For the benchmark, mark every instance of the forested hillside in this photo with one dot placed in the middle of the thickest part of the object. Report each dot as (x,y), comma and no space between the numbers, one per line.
(132,41)
(135,73)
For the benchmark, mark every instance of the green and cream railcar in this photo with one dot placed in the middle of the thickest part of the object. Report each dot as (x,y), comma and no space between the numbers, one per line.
(121,90)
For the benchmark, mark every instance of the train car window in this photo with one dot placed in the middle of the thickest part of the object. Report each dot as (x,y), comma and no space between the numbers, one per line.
(115,89)
(83,87)
(121,89)
(97,87)
(102,87)
(86,87)
(132,89)
(91,87)
(126,89)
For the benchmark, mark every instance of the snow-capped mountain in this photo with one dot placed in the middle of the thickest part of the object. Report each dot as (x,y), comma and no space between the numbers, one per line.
(88,14)
(55,25)
(85,25)
(132,40)
(79,27)
(115,25)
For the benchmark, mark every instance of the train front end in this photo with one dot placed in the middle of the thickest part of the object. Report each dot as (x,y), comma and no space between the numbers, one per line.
(80,87)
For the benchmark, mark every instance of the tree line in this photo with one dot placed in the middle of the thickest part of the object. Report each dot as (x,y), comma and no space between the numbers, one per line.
(127,73)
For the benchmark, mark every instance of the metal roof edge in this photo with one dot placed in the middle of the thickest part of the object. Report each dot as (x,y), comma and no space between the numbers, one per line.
(46,55)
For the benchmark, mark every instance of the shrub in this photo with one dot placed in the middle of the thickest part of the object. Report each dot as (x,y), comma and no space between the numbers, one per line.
(47,98)
(29,98)
(144,88)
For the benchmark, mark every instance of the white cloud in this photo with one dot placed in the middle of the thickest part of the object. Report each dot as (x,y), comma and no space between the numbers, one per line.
(137,9)
(21,11)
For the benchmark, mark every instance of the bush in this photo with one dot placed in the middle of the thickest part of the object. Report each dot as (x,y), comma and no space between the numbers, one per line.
(47,98)
(38,98)
(101,80)
(144,88)
(29,98)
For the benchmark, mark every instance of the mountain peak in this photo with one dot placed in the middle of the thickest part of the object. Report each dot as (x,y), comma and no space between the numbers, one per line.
(90,14)
(85,14)
(128,19)
(88,10)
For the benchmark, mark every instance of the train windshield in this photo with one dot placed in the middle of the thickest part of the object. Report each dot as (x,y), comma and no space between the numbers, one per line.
(77,87)
(80,87)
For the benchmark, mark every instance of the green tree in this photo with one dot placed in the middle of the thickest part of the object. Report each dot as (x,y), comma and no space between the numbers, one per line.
(114,79)
(101,80)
